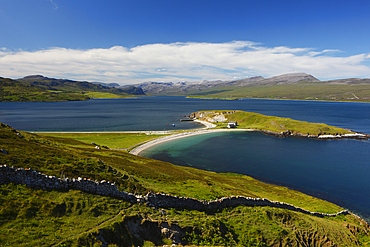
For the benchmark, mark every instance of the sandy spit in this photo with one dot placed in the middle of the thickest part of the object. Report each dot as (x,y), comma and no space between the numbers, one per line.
(141,148)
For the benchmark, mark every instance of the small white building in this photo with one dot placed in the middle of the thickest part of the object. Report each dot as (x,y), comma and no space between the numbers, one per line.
(232,124)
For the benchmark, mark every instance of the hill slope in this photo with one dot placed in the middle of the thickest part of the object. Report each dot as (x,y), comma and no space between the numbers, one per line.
(30,217)
(78,86)
(40,88)
(11,90)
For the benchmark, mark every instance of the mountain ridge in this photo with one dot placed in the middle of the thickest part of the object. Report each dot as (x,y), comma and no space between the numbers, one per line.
(158,88)
(294,86)
(66,84)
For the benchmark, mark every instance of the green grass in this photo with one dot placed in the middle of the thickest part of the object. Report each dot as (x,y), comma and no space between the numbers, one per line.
(46,89)
(103,95)
(111,140)
(251,120)
(30,217)
(11,90)
(40,218)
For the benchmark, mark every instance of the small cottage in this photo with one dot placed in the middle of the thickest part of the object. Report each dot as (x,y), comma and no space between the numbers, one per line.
(232,124)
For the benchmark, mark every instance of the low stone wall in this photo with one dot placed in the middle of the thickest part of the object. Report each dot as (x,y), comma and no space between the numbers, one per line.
(169,201)
(35,179)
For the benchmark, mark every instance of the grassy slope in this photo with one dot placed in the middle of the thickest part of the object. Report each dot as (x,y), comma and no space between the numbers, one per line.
(111,140)
(81,87)
(299,91)
(11,90)
(58,90)
(33,217)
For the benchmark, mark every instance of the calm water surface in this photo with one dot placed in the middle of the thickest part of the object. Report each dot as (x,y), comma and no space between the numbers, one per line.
(154,113)
(335,170)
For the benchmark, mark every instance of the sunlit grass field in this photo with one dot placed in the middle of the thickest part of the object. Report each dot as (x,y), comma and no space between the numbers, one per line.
(103,95)
(111,140)
(279,124)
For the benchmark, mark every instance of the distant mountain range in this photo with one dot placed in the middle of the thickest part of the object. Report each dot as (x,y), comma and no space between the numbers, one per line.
(286,86)
(158,88)
(299,86)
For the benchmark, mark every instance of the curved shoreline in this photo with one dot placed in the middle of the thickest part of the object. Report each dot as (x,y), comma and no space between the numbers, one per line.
(208,129)
(139,149)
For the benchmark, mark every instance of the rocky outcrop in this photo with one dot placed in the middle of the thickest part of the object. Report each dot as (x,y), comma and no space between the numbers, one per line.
(215,116)
(35,179)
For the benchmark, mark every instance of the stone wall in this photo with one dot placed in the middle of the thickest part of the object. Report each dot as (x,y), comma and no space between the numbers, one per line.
(169,201)
(35,179)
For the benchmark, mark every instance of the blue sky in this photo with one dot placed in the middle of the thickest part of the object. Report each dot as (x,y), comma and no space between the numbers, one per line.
(169,40)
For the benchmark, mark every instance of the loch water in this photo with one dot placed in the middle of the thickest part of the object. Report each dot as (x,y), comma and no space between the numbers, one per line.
(335,170)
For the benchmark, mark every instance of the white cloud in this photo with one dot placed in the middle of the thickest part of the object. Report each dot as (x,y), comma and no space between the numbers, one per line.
(179,62)
(55,5)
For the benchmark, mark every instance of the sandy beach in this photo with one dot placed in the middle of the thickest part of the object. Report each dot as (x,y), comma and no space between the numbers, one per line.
(205,130)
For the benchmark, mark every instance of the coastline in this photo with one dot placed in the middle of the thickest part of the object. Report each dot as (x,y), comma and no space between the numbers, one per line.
(139,149)
(209,129)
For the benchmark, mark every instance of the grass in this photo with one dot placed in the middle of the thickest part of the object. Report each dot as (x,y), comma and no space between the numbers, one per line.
(111,140)
(40,218)
(251,120)
(47,89)
(104,95)
(31,217)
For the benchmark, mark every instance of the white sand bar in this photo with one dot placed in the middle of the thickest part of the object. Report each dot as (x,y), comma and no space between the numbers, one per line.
(141,148)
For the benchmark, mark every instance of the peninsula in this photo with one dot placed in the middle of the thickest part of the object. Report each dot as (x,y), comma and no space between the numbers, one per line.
(219,120)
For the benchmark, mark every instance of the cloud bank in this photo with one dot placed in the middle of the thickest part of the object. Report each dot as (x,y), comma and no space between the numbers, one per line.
(181,62)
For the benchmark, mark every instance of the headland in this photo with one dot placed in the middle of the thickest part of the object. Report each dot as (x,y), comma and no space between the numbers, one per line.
(218,121)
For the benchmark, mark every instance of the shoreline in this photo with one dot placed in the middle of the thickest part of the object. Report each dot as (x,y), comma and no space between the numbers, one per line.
(139,149)
(209,129)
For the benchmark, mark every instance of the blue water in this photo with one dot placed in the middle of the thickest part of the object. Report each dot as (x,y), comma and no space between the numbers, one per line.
(335,170)
(154,113)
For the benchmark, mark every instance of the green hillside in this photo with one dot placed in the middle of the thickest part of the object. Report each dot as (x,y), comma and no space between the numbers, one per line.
(11,90)
(33,217)
(40,88)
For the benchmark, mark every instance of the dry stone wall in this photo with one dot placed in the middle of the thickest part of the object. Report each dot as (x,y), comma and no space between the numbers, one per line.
(35,179)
